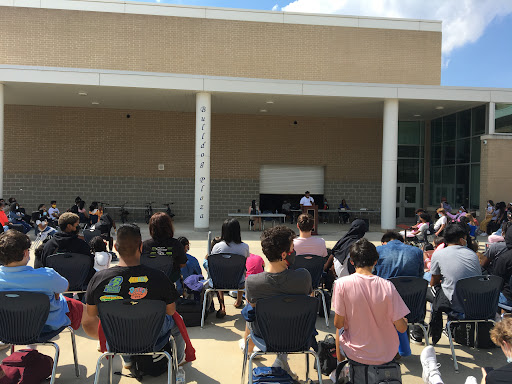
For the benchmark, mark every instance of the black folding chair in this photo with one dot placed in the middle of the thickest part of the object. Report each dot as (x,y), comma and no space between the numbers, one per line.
(161,262)
(315,266)
(22,318)
(90,233)
(75,267)
(506,308)
(226,271)
(287,326)
(131,328)
(479,297)
(413,291)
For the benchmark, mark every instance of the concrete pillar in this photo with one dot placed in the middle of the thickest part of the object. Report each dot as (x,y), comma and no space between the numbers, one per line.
(492,118)
(202,174)
(2,140)
(389,164)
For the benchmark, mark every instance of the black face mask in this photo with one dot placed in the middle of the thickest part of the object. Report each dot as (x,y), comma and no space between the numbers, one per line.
(290,258)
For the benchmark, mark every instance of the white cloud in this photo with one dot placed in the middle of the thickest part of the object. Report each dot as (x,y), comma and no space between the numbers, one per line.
(275,7)
(464,21)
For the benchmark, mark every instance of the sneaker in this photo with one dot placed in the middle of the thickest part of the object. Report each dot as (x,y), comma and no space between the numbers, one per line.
(431,374)
(282,361)
(471,380)
(241,344)
(416,341)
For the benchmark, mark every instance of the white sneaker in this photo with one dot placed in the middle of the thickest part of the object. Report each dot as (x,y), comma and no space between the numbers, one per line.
(471,380)
(431,374)
(282,361)
(241,344)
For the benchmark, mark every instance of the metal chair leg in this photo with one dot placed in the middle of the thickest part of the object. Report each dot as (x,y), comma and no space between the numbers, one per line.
(425,333)
(55,360)
(75,356)
(455,365)
(244,363)
(110,363)
(318,370)
(98,366)
(169,367)
(307,367)
(326,313)
(205,299)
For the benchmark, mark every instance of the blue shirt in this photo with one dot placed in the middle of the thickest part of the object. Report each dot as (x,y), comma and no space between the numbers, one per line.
(42,280)
(399,259)
(191,268)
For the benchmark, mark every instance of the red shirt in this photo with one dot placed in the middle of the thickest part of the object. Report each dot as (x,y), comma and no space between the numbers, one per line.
(3,218)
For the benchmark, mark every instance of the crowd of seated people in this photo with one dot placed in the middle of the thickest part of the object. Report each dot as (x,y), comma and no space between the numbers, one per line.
(368,311)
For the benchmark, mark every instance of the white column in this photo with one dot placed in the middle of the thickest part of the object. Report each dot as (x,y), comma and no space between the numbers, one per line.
(389,164)
(202,174)
(492,118)
(1,140)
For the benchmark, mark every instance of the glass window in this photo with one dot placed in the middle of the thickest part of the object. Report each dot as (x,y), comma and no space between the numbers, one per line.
(476,147)
(464,124)
(449,152)
(478,120)
(409,132)
(463,150)
(503,116)
(408,171)
(462,189)
(436,154)
(413,151)
(449,127)
(475,187)
(436,128)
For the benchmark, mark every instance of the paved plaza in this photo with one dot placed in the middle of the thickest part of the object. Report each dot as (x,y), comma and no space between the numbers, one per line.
(219,359)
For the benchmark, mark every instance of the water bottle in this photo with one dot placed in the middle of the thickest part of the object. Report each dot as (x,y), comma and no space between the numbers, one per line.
(180,376)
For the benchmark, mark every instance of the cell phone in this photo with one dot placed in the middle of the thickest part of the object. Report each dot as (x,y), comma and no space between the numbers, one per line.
(488,369)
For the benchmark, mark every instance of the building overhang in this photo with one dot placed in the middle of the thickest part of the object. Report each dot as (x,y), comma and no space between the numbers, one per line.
(25,85)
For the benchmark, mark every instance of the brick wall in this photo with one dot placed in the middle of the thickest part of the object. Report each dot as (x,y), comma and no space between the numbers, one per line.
(99,154)
(78,39)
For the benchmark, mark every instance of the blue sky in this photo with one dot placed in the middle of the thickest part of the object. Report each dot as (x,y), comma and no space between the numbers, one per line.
(477,34)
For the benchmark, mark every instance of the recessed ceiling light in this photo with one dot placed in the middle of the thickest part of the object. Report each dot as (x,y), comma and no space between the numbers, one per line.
(95,103)
(417,115)
(270,102)
(439,107)
(263,110)
(82,93)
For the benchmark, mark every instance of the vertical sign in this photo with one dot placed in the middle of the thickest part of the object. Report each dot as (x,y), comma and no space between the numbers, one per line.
(202,174)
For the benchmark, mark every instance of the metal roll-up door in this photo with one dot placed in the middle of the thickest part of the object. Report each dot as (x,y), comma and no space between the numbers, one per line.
(290,179)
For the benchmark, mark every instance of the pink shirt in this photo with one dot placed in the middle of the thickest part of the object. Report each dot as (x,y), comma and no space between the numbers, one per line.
(253,265)
(369,305)
(310,246)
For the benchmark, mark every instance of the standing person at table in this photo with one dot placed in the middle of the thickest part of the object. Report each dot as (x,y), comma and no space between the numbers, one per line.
(254,209)
(306,201)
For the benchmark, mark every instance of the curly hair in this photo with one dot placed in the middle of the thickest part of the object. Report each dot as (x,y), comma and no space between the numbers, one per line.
(275,241)
(13,245)
(502,332)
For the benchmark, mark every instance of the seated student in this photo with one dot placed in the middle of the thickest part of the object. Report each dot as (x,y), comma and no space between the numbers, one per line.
(341,249)
(397,258)
(192,266)
(306,244)
(345,216)
(16,275)
(66,240)
(124,282)
(254,265)
(42,226)
(495,249)
(450,264)
(102,258)
(420,229)
(369,309)
(105,225)
(277,245)
(16,216)
(53,214)
(441,223)
(83,213)
(162,243)
(94,212)
(4,220)
(503,268)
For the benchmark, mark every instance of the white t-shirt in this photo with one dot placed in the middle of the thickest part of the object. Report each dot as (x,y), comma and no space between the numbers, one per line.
(102,260)
(310,246)
(442,220)
(307,201)
(54,213)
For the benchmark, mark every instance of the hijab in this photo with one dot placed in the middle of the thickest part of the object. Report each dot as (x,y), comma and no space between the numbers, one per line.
(342,248)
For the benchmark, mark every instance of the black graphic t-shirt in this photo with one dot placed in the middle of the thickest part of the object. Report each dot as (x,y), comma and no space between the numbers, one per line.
(135,283)
(169,247)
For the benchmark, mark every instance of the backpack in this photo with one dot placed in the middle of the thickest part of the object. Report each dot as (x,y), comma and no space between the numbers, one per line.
(149,365)
(464,334)
(327,355)
(271,375)
(190,311)
(388,373)
(26,366)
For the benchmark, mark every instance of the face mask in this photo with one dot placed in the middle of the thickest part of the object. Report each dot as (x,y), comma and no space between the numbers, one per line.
(54,206)
(509,359)
(460,211)
(290,258)
(44,213)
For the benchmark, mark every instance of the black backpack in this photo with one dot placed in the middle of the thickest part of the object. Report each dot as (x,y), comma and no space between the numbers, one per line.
(149,365)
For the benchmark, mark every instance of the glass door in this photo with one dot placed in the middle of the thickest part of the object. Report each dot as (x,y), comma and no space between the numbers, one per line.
(407,201)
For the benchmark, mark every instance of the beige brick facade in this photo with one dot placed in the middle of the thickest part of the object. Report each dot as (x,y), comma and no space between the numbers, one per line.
(79,39)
